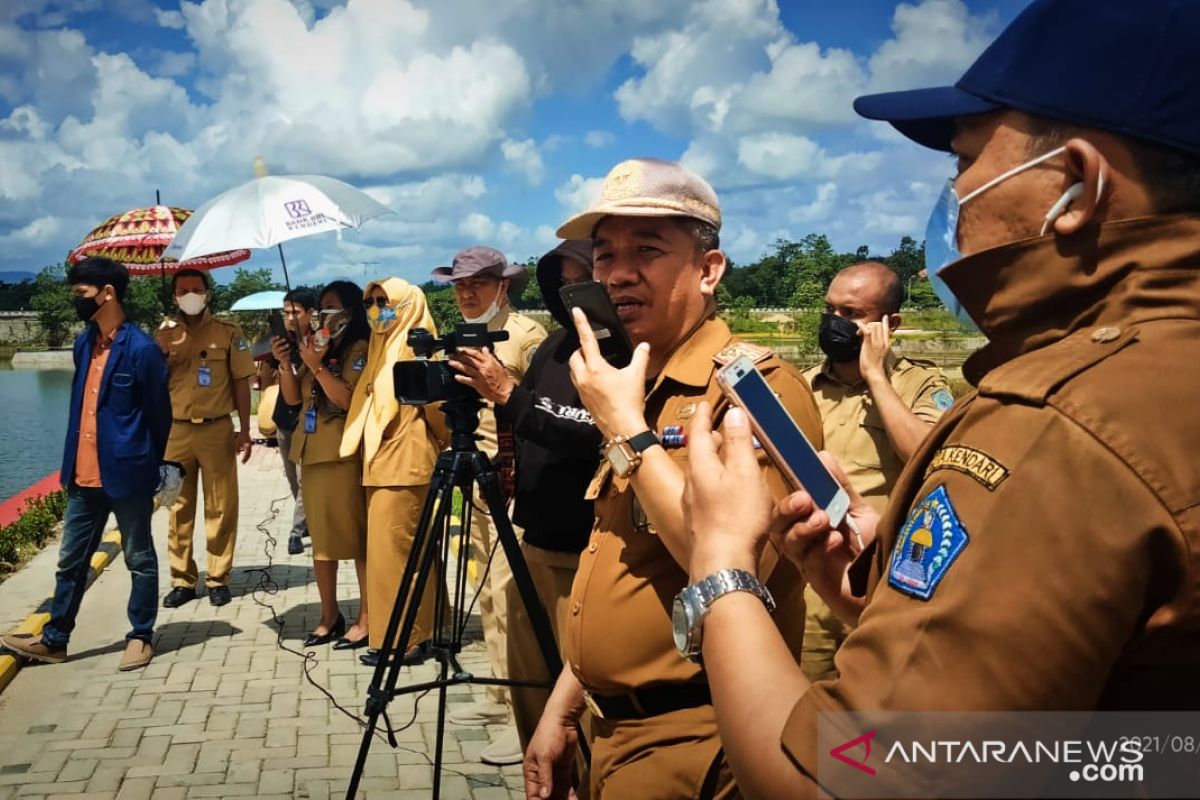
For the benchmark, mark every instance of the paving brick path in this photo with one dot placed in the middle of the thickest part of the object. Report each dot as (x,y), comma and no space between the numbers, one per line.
(222,711)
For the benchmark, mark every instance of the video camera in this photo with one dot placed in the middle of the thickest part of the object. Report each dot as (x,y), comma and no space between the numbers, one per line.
(421,381)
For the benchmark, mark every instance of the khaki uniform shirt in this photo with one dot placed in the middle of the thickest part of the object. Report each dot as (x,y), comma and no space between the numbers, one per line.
(515,353)
(1041,549)
(213,345)
(322,445)
(619,635)
(854,430)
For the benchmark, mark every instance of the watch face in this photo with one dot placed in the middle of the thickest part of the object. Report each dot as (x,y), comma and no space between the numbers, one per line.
(681,625)
(620,461)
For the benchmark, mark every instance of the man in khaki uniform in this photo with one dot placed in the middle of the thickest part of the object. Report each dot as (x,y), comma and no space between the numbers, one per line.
(876,408)
(654,730)
(1039,550)
(482,280)
(209,367)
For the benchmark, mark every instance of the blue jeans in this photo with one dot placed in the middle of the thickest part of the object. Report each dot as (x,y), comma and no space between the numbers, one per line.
(83,527)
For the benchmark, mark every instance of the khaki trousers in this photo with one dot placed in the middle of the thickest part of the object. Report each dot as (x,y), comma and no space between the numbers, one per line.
(493,593)
(208,452)
(552,573)
(669,757)
(823,635)
(392,516)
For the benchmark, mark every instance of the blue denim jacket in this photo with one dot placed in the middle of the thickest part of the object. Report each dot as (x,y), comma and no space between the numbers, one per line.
(133,417)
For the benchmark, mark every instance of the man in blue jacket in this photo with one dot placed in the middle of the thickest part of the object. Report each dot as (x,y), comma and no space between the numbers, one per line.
(119,424)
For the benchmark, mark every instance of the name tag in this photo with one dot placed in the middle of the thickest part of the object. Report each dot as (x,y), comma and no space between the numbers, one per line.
(204,377)
(310,420)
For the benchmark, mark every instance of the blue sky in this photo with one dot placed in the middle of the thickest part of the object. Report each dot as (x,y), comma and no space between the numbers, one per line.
(477,121)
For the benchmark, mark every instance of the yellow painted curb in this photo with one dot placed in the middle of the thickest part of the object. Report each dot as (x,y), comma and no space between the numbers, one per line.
(33,624)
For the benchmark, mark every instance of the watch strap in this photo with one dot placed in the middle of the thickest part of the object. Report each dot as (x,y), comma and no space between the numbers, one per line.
(724,581)
(642,441)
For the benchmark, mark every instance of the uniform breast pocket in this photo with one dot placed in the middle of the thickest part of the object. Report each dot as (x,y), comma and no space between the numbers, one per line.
(872,442)
(120,393)
(216,361)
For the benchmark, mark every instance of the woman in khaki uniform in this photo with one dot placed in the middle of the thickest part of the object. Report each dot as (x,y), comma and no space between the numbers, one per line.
(400,444)
(334,355)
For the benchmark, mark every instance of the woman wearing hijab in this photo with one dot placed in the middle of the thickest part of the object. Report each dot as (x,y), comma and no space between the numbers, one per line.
(399,446)
(334,355)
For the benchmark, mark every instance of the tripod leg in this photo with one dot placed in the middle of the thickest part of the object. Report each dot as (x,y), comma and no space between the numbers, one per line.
(489,484)
(412,584)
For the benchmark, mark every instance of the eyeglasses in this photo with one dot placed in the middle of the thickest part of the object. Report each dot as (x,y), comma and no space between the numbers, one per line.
(379,302)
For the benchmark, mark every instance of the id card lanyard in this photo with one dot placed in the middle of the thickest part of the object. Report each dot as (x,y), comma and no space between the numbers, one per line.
(204,376)
(310,415)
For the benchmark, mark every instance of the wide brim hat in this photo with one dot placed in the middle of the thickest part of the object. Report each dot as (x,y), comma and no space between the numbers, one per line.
(647,187)
(482,260)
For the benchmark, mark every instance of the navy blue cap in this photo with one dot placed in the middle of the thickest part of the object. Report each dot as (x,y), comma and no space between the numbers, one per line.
(1126,66)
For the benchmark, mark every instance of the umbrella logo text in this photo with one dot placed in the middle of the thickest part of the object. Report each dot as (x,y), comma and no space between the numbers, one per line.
(297,209)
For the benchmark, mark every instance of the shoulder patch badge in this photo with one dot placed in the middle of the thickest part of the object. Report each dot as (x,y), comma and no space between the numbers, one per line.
(943,399)
(242,344)
(359,364)
(969,461)
(756,353)
(930,540)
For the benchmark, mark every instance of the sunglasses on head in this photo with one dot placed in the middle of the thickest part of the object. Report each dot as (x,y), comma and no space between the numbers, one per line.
(375,301)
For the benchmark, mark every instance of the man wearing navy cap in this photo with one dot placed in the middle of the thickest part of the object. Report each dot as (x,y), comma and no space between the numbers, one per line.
(1040,549)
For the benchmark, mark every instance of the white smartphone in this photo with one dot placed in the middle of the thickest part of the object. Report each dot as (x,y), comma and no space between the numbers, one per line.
(783,440)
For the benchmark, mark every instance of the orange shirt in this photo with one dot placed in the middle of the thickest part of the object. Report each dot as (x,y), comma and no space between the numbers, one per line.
(87,458)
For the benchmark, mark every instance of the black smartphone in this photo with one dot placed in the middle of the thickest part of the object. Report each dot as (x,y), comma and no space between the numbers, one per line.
(275,322)
(592,298)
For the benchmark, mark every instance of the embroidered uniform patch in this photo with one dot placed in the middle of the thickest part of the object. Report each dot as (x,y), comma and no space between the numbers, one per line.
(359,363)
(243,345)
(943,399)
(969,461)
(930,540)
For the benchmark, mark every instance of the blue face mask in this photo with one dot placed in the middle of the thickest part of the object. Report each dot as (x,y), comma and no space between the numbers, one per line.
(941,234)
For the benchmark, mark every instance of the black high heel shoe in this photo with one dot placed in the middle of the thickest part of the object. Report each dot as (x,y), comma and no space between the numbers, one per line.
(338,629)
(346,644)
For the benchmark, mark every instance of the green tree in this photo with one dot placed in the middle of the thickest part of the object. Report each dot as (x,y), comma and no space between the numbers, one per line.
(442,306)
(52,302)
(144,302)
(16,296)
(245,282)
(908,259)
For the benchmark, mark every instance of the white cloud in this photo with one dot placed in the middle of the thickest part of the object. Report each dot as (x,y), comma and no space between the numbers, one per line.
(578,193)
(524,158)
(169,19)
(40,232)
(599,139)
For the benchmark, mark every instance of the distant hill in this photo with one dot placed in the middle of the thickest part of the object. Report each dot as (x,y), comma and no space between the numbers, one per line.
(16,277)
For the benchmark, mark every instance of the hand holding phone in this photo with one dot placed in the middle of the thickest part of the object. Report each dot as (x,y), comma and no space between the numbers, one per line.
(592,298)
(783,440)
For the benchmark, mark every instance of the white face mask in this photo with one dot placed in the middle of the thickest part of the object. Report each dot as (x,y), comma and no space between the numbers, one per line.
(191,303)
(489,314)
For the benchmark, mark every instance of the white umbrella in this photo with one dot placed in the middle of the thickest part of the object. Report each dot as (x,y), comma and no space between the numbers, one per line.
(271,210)
(259,301)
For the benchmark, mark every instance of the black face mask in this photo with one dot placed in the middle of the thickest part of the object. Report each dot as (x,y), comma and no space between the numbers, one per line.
(838,338)
(85,308)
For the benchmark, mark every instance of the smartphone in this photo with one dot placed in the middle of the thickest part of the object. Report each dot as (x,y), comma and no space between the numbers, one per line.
(592,298)
(783,440)
(275,322)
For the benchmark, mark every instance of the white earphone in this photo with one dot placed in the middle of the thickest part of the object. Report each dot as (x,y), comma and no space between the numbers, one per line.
(1070,196)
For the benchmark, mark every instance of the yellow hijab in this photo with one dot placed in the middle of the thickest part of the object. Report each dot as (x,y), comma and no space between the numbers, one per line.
(374,404)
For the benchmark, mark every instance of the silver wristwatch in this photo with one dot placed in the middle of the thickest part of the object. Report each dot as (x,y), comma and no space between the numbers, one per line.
(692,604)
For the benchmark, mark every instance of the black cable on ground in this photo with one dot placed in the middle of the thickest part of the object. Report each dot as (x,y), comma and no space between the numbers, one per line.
(267,587)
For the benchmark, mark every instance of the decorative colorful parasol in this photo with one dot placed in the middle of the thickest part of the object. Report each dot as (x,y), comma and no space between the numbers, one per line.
(137,239)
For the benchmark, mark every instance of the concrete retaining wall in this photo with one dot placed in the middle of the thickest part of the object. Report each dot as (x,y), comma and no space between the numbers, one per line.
(44,359)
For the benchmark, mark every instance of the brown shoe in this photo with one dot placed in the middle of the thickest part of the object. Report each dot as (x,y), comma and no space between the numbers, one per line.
(137,655)
(30,646)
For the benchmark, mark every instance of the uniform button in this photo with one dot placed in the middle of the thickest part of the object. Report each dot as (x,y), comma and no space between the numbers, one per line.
(592,547)
(575,608)
(614,491)
(1105,334)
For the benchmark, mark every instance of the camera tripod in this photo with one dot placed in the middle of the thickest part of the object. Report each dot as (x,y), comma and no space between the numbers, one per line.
(462,467)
